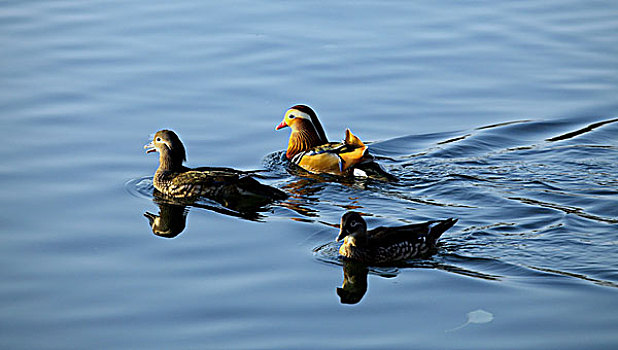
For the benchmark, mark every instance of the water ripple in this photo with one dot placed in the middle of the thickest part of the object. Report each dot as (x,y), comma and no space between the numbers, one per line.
(513,202)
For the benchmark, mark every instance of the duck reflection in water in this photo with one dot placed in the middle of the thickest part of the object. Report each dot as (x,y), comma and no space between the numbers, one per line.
(306,192)
(170,222)
(354,284)
(172,217)
(304,196)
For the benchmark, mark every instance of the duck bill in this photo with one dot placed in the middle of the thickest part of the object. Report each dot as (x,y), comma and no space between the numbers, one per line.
(151,217)
(281,125)
(150,147)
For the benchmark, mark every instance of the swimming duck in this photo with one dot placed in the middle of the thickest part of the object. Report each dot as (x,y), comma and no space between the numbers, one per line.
(228,186)
(309,148)
(384,245)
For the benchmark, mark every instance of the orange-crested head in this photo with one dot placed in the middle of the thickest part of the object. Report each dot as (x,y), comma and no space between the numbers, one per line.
(307,132)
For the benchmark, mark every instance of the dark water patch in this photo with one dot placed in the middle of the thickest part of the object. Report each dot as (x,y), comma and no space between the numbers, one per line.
(584,130)
(454,139)
(498,125)
(566,209)
(583,277)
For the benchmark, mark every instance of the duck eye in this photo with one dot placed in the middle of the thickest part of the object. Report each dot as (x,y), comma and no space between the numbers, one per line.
(158,139)
(354,224)
(292,116)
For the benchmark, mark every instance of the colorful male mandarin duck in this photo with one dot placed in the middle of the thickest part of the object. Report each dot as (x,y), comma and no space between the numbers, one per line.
(225,185)
(384,245)
(309,148)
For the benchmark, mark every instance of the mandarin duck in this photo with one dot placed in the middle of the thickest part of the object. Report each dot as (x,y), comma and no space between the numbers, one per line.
(230,187)
(310,149)
(384,245)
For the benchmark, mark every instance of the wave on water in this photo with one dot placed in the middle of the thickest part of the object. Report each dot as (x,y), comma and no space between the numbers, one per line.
(527,193)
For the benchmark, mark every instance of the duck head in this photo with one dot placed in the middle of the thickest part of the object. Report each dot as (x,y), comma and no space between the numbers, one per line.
(353,229)
(171,151)
(307,132)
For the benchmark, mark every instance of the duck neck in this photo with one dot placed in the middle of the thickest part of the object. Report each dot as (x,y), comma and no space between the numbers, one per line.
(358,239)
(167,162)
(301,141)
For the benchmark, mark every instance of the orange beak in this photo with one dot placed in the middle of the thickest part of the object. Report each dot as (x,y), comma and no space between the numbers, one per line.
(281,125)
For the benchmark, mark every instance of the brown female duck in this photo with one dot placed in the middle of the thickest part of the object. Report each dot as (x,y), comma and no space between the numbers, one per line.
(310,149)
(384,245)
(225,185)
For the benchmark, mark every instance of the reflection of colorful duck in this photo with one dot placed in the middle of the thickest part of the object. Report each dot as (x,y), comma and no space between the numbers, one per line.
(309,148)
(384,245)
(303,196)
(305,193)
(230,187)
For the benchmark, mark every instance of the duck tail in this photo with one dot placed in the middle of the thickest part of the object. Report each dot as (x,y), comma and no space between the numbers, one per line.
(374,170)
(352,140)
(364,161)
(251,185)
(355,155)
(437,228)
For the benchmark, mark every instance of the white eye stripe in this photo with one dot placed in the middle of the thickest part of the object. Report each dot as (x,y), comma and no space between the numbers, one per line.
(165,142)
(354,223)
(298,115)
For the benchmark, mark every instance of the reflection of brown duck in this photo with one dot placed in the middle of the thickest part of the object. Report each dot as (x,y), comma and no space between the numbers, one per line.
(170,222)
(384,245)
(230,187)
(354,282)
(309,148)
(172,217)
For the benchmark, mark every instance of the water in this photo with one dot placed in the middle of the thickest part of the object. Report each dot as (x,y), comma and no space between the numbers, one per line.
(501,115)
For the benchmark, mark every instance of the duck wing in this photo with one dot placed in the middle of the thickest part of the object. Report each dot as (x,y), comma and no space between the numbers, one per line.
(228,171)
(428,231)
(194,183)
(333,157)
(219,183)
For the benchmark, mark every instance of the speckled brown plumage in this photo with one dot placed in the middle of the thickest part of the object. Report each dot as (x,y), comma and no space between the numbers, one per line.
(384,245)
(224,185)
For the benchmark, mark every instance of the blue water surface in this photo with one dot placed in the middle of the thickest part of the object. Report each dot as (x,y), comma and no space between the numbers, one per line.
(501,114)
